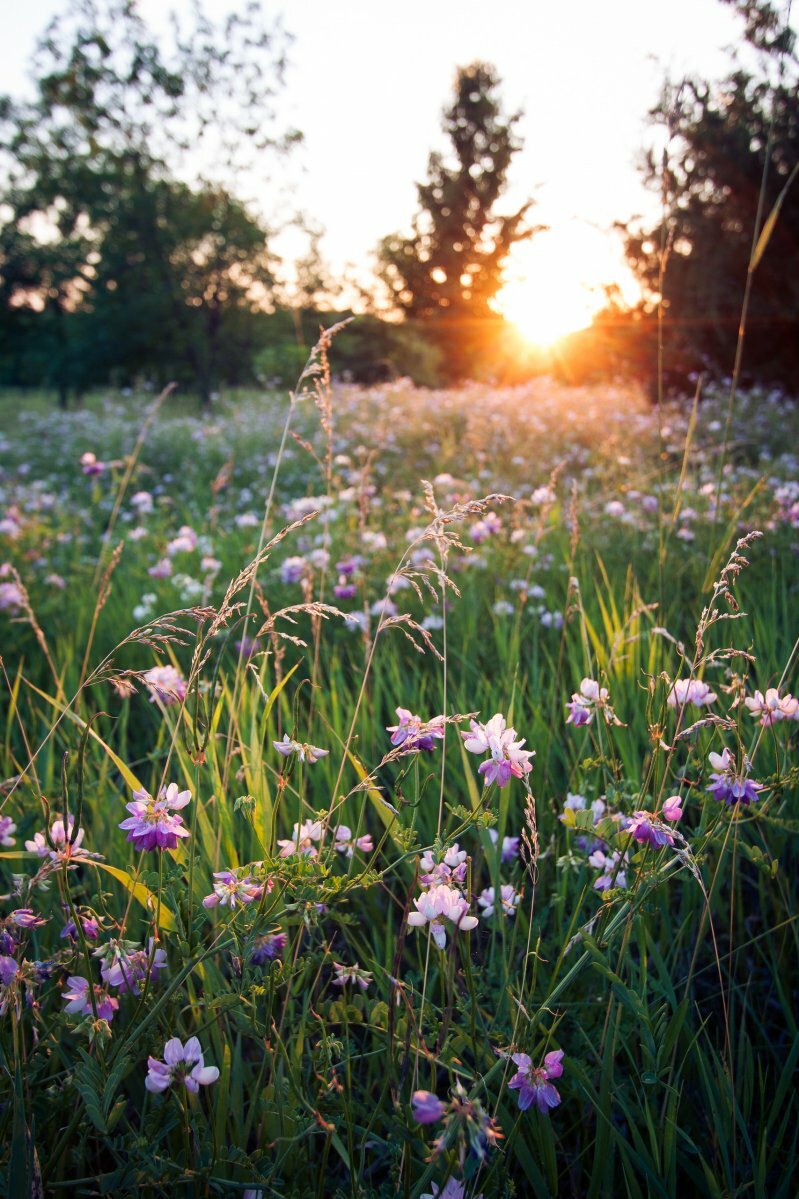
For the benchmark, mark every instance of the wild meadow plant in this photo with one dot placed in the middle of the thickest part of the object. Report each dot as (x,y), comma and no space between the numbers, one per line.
(447,849)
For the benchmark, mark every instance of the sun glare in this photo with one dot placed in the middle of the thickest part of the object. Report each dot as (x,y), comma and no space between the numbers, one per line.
(555,283)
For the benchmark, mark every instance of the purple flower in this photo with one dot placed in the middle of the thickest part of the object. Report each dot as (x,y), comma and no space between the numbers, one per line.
(91,929)
(27,918)
(7,827)
(153,823)
(293,570)
(90,465)
(645,829)
(126,967)
(729,785)
(415,734)
(182,1063)
(345,843)
(232,891)
(78,999)
(612,867)
(66,842)
(508,902)
(508,759)
(510,846)
(533,1083)
(772,707)
(9,968)
(585,703)
(268,948)
(452,1190)
(426,1108)
(345,588)
(447,869)
(305,752)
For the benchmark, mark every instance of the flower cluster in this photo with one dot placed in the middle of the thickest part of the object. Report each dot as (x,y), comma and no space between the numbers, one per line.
(413,734)
(508,759)
(585,703)
(154,823)
(182,1064)
(728,783)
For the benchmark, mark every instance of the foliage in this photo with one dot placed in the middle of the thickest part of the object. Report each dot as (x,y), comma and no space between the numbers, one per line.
(450,268)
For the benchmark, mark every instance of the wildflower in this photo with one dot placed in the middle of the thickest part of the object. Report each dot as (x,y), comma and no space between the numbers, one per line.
(729,785)
(182,1063)
(534,1083)
(293,570)
(351,974)
(344,842)
(439,904)
(427,1108)
(507,756)
(450,867)
(645,829)
(142,501)
(415,734)
(184,543)
(345,588)
(153,823)
(9,968)
(508,902)
(302,840)
(7,828)
(91,929)
(672,808)
(161,570)
(11,598)
(66,842)
(305,752)
(90,465)
(452,1190)
(510,845)
(124,965)
(772,707)
(612,867)
(585,703)
(690,691)
(267,948)
(78,999)
(27,918)
(476,1130)
(232,891)
(166,685)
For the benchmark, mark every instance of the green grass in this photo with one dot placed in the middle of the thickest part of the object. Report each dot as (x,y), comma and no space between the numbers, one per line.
(673,998)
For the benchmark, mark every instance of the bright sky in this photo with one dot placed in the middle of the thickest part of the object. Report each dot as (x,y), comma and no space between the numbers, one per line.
(369,79)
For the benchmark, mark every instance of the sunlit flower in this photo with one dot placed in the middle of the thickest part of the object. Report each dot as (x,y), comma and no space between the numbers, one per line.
(437,906)
(166,685)
(65,847)
(233,891)
(413,733)
(534,1082)
(305,752)
(690,691)
(672,808)
(303,839)
(508,902)
(181,1064)
(11,597)
(507,760)
(153,823)
(345,843)
(772,707)
(585,703)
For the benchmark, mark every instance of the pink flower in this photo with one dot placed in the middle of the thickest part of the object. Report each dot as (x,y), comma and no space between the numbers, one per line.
(440,904)
(303,841)
(90,465)
(304,751)
(415,734)
(66,846)
(507,760)
(690,691)
(344,842)
(166,685)
(772,707)
(533,1083)
(182,1063)
(153,823)
(232,891)
(78,999)
(508,902)
(645,829)
(672,808)
(351,974)
(585,703)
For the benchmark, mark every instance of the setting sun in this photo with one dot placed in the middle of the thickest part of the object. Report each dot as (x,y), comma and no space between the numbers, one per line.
(555,284)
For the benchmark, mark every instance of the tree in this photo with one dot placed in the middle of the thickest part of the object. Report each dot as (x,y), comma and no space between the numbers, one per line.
(111,216)
(727,142)
(450,268)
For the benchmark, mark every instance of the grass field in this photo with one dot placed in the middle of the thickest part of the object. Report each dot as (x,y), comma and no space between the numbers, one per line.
(381,1022)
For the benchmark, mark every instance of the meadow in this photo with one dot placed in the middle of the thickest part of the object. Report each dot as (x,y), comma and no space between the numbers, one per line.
(399,793)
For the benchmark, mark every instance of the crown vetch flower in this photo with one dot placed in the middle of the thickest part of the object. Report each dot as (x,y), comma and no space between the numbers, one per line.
(427,1108)
(672,808)
(508,902)
(507,760)
(305,752)
(612,867)
(7,828)
(351,974)
(78,999)
(233,891)
(181,1064)
(66,842)
(413,733)
(125,965)
(647,830)
(267,948)
(728,784)
(153,823)
(510,846)
(451,867)
(303,838)
(345,843)
(534,1082)
(690,691)
(166,685)
(585,703)
(772,707)
(440,904)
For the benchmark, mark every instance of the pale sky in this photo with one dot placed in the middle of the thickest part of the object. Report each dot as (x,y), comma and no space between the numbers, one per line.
(369,78)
